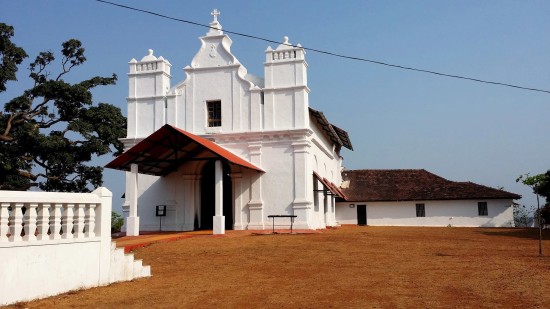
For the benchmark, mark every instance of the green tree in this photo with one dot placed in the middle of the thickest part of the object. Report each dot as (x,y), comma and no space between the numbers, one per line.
(544,186)
(51,132)
(539,183)
(541,187)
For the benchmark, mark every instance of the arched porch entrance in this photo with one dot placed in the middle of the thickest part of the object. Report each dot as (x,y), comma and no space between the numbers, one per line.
(168,149)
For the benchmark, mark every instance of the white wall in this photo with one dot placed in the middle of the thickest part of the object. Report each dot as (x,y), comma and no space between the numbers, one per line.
(327,163)
(41,264)
(438,213)
(30,272)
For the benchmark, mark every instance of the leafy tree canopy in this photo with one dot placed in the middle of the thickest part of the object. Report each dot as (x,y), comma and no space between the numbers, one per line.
(50,133)
(539,183)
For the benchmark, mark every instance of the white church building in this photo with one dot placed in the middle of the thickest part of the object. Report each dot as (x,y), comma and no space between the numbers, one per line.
(224,149)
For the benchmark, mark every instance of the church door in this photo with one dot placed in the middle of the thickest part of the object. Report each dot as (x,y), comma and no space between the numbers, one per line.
(207,197)
(361,214)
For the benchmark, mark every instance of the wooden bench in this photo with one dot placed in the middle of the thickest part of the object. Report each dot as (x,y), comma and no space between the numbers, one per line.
(283,216)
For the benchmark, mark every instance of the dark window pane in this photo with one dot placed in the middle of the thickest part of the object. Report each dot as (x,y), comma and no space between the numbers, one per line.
(214,113)
(420,210)
(482,209)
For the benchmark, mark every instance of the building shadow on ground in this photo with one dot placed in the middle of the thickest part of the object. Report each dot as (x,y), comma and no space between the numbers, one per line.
(528,233)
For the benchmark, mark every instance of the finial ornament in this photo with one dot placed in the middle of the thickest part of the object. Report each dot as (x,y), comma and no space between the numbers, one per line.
(215,13)
(150,51)
(285,40)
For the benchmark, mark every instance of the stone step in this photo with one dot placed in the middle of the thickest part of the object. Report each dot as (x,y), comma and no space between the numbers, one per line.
(138,268)
(124,267)
(146,271)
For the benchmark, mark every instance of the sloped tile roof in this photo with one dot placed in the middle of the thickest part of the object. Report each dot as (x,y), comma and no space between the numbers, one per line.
(337,136)
(162,152)
(413,185)
(330,186)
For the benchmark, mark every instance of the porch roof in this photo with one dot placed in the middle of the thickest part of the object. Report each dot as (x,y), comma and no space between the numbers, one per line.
(330,186)
(168,148)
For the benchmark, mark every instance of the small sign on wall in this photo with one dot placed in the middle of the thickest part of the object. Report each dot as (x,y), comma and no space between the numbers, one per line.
(161,211)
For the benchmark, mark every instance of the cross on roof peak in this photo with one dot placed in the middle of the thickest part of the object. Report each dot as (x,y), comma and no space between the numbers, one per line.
(215,13)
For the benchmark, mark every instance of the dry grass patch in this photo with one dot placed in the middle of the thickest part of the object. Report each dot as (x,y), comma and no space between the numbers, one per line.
(373,267)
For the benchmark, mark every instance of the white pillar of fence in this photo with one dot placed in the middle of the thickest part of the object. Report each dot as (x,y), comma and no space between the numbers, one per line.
(103,230)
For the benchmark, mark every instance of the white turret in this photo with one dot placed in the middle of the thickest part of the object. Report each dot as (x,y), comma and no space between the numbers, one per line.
(148,84)
(149,77)
(286,68)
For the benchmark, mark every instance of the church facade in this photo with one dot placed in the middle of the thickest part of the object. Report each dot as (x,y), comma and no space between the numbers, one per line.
(286,155)
(224,149)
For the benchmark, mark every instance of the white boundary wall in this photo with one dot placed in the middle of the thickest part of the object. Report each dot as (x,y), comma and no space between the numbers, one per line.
(438,213)
(47,260)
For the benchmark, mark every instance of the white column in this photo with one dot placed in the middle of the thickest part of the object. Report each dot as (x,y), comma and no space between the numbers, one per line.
(301,205)
(186,212)
(326,207)
(330,212)
(236,180)
(219,218)
(132,222)
(197,190)
(255,109)
(334,211)
(255,206)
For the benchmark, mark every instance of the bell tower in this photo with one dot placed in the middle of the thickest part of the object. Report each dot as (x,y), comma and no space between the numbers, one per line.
(148,84)
(286,92)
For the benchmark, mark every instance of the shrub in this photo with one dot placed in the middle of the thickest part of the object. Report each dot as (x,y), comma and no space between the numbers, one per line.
(523,216)
(116,222)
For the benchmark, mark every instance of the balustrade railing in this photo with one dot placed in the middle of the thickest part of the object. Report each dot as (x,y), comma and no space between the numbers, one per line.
(151,66)
(22,220)
(281,55)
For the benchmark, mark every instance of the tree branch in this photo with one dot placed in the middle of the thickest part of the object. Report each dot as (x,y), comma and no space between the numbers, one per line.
(27,175)
(5,136)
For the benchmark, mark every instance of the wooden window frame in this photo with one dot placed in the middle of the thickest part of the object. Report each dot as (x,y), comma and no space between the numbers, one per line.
(214,113)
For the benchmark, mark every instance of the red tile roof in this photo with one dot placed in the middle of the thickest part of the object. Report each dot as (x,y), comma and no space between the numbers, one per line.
(336,135)
(413,185)
(330,186)
(168,148)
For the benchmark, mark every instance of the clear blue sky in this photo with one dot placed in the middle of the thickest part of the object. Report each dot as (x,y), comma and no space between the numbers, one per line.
(461,130)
